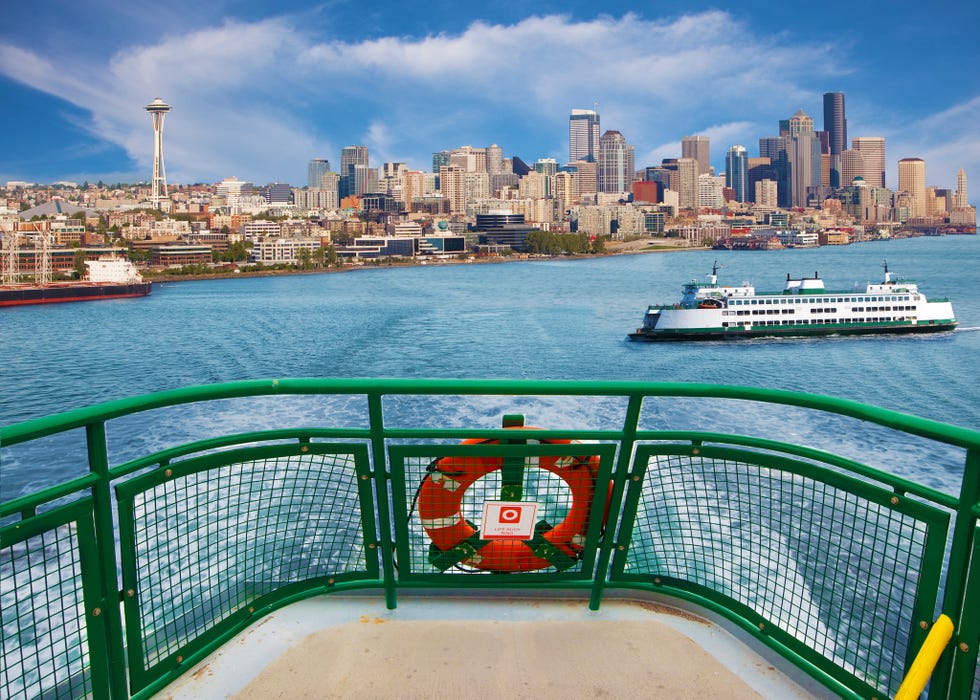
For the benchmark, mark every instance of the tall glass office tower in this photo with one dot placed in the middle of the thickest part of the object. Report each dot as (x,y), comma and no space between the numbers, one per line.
(583,135)
(835,124)
(737,171)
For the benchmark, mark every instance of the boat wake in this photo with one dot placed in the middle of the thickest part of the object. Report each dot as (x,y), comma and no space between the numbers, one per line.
(972,328)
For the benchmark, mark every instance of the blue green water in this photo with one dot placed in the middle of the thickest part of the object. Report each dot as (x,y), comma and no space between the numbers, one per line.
(565,319)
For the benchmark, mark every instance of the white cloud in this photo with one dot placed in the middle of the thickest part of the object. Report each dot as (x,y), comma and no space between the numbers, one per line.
(258,99)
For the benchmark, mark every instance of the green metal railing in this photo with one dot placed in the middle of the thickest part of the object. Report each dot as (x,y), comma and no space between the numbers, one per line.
(116,582)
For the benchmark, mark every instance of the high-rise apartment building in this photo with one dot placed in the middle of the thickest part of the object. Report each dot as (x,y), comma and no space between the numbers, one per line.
(616,163)
(912,179)
(585,178)
(495,159)
(316,169)
(698,148)
(583,135)
(872,150)
(737,172)
(687,183)
(835,124)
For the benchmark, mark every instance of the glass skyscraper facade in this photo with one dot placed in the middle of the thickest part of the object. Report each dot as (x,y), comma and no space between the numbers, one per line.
(583,135)
(737,172)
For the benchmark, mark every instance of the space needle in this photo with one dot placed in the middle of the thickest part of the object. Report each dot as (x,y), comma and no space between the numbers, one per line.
(158,110)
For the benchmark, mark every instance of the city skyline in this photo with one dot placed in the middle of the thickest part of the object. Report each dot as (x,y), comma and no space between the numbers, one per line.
(419,81)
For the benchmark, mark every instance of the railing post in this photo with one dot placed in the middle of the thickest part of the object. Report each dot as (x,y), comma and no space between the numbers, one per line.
(381,479)
(105,538)
(950,676)
(628,439)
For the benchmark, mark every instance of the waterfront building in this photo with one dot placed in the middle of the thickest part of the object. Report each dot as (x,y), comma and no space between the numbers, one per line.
(737,172)
(616,163)
(872,150)
(912,179)
(835,124)
(316,169)
(698,148)
(583,135)
(565,192)
(274,250)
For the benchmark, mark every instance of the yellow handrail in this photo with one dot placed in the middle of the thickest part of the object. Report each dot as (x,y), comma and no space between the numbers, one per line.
(926,659)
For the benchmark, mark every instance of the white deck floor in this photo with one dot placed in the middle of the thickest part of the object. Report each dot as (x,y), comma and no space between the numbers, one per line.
(493,647)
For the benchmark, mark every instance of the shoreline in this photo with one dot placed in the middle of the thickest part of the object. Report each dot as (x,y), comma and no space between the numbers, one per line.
(620,249)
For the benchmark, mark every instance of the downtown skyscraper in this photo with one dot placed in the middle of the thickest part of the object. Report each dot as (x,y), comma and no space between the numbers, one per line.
(835,124)
(698,148)
(616,163)
(583,135)
(737,172)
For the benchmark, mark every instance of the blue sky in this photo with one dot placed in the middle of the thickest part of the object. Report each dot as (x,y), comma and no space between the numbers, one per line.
(259,88)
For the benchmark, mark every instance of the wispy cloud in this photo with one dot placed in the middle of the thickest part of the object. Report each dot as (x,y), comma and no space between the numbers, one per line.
(258,99)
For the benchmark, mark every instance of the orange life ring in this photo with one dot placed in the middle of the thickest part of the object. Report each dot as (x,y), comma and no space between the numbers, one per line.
(455,540)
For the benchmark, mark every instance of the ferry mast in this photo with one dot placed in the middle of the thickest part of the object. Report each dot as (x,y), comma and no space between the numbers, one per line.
(158,110)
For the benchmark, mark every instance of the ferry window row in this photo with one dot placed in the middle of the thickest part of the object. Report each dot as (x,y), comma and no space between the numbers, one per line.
(814,300)
(816,322)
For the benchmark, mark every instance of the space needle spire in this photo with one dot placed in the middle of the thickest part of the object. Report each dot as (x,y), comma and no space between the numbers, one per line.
(158,110)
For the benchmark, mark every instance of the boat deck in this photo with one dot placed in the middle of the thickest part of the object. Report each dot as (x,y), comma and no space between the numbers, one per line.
(492,647)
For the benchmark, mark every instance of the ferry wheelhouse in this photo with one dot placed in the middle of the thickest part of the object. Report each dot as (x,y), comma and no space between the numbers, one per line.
(711,311)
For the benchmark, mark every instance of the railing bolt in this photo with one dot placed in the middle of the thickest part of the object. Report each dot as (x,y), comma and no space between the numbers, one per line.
(304,448)
(696,451)
(364,477)
(657,580)
(130,592)
(331,581)
(169,473)
(621,547)
(636,477)
(894,500)
(180,659)
(372,545)
(96,612)
(251,609)
(964,647)
(762,626)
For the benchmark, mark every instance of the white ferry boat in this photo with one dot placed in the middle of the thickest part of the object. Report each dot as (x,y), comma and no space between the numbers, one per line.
(711,311)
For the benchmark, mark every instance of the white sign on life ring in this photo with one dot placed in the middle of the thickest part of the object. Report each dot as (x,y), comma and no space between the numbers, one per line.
(508,520)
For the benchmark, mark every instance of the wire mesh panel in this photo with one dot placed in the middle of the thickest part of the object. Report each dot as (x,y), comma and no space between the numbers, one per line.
(211,536)
(44,647)
(835,564)
(499,509)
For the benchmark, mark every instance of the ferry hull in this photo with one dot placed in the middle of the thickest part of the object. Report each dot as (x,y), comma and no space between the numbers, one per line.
(57,294)
(654,336)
